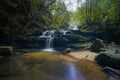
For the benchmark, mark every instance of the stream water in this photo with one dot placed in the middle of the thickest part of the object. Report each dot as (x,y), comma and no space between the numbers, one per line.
(73,73)
(70,73)
(48,66)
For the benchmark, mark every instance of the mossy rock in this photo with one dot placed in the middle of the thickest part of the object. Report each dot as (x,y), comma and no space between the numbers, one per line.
(97,45)
(6,50)
(67,51)
(117,51)
(76,38)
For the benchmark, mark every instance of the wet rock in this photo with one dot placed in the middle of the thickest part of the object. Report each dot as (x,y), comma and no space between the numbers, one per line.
(107,60)
(112,72)
(97,45)
(67,51)
(6,50)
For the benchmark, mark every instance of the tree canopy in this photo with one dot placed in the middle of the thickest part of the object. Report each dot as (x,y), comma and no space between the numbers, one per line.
(102,15)
(20,18)
(25,17)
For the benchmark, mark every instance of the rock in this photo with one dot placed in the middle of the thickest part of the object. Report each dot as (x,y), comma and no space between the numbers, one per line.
(112,72)
(97,45)
(6,50)
(107,60)
(67,51)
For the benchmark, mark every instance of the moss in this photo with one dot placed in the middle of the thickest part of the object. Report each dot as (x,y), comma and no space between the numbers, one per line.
(6,50)
(81,45)
(97,45)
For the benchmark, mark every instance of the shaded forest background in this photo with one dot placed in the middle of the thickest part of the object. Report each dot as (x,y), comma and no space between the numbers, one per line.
(21,18)
(101,16)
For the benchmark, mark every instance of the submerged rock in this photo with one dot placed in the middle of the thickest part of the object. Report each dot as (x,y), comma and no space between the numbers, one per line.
(112,72)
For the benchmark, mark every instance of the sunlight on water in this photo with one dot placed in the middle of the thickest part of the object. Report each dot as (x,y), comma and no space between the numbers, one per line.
(73,73)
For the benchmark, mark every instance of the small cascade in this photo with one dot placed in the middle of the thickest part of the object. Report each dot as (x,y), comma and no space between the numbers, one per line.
(65,32)
(49,36)
(73,27)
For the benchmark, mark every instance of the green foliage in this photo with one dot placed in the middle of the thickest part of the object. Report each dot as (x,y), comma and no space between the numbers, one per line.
(24,17)
(81,46)
(77,38)
(102,15)
(96,11)
(60,15)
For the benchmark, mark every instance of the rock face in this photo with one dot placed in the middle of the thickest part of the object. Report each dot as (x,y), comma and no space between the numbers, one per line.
(61,39)
(97,45)
(31,42)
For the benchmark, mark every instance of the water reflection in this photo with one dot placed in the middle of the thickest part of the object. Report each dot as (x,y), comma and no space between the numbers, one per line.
(72,72)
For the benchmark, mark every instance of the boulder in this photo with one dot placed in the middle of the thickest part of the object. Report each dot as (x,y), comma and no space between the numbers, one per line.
(112,72)
(105,59)
(6,50)
(67,50)
(97,45)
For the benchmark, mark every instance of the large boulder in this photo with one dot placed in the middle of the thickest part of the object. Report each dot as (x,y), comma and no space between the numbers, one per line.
(105,59)
(97,45)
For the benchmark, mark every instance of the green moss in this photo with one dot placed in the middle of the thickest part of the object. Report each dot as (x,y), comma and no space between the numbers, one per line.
(6,50)
(97,45)
(81,46)
(8,47)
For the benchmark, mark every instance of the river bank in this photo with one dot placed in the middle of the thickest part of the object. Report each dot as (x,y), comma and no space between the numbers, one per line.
(92,56)
(85,54)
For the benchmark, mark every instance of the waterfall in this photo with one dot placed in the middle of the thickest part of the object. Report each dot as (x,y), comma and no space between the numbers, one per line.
(49,36)
(49,42)
(75,27)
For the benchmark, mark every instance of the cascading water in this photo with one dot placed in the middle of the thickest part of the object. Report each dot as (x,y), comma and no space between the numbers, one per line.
(49,36)
(75,27)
